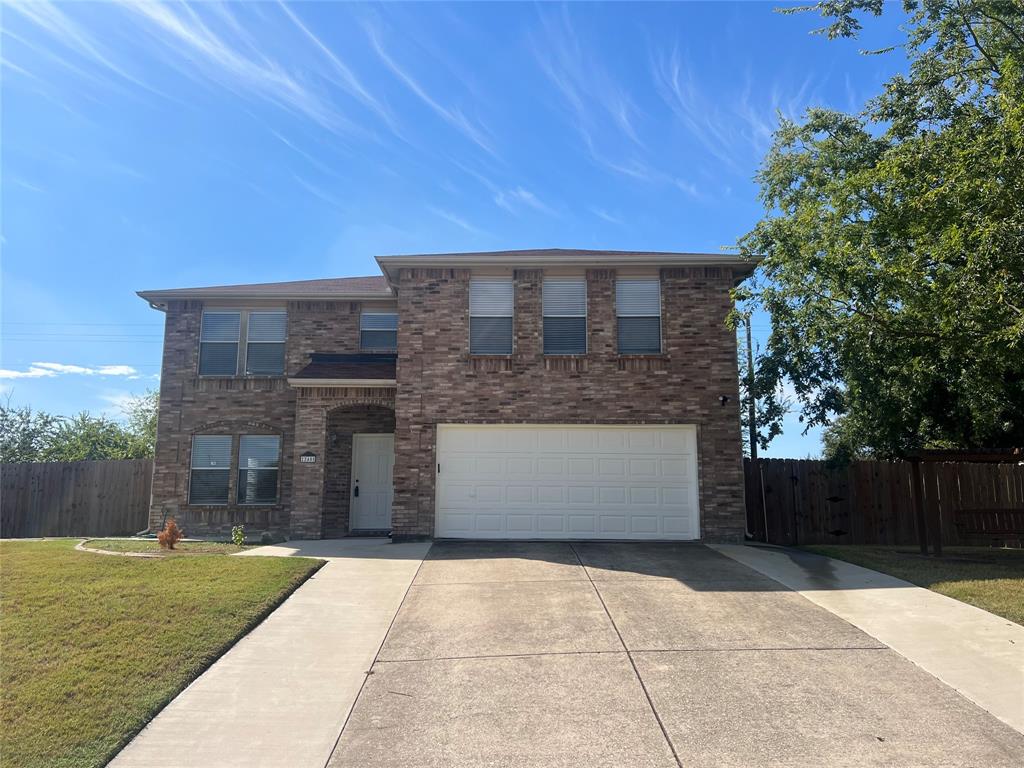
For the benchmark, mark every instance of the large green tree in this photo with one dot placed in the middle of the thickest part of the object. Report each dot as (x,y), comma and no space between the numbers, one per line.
(894,243)
(27,435)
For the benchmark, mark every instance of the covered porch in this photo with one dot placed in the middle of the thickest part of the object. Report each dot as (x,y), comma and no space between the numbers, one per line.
(344,446)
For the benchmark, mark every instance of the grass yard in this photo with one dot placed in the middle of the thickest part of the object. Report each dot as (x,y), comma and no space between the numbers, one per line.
(153,546)
(989,578)
(93,645)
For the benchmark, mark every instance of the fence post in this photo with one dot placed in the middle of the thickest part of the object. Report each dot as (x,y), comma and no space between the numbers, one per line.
(922,531)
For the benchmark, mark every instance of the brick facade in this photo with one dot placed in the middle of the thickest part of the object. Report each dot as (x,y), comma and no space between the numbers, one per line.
(439,382)
(190,404)
(683,385)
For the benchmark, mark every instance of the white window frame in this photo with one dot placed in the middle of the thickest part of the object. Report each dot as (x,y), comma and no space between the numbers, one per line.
(482,279)
(584,316)
(660,315)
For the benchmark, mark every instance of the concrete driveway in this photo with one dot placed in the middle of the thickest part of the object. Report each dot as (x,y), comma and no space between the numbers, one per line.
(551,654)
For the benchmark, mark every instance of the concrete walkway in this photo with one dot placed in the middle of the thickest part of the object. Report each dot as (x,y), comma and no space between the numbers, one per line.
(280,697)
(977,653)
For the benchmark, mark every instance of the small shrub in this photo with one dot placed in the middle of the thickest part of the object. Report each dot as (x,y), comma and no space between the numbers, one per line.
(266,538)
(238,535)
(170,535)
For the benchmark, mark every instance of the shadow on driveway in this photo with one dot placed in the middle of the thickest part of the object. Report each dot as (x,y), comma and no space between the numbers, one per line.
(643,654)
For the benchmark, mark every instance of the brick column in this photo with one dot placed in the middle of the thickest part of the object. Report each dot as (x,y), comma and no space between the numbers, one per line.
(528,330)
(308,479)
(601,314)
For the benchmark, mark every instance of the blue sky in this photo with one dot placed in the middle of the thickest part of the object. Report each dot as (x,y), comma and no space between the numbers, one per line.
(162,146)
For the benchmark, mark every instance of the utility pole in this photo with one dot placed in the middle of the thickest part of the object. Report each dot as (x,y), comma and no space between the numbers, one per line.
(751,409)
(752,427)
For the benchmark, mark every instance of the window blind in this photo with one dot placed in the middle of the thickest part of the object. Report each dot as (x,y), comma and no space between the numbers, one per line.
(218,343)
(258,457)
(638,315)
(491,303)
(265,336)
(564,302)
(210,469)
(379,331)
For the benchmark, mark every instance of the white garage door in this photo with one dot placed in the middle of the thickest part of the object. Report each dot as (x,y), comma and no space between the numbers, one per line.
(567,482)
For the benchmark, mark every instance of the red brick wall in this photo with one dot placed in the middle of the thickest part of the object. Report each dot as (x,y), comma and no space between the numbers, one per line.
(439,382)
(238,405)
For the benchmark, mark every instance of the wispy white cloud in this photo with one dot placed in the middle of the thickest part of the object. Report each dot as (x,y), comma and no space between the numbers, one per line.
(201,52)
(454,116)
(72,35)
(455,219)
(592,97)
(25,184)
(50,370)
(513,200)
(601,213)
(316,191)
(732,128)
(322,167)
(347,79)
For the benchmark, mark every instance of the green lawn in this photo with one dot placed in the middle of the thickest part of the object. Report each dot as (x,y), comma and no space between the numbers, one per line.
(989,578)
(93,646)
(152,545)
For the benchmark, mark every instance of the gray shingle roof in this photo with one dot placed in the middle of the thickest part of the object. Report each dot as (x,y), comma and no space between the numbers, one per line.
(375,286)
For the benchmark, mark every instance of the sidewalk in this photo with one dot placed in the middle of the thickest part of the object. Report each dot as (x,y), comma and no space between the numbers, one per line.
(979,654)
(281,695)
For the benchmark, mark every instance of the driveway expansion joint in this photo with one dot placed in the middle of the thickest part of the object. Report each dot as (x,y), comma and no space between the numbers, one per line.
(636,672)
(369,672)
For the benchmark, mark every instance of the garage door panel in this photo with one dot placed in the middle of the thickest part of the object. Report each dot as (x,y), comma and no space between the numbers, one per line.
(552,481)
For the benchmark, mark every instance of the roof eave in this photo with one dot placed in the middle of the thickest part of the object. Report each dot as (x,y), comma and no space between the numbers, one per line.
(743,266)
(159,299)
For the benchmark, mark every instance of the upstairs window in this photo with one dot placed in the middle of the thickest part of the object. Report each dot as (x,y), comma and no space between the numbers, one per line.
(638,311)
(264,352)
(261,334)
(211,469)
(378,331)
(565,316)
(490,316)
(258,457)
(218,343)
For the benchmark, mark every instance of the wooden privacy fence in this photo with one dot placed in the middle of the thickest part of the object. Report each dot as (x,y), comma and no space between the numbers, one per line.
(78,498)
(792,501)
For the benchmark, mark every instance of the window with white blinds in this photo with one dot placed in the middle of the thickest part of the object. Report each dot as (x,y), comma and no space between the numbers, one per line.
(264,352)
(378,331)
(258,457)
(211,469)
(260,333)
(491,301)
(638,315)
(565,315)
(218,343)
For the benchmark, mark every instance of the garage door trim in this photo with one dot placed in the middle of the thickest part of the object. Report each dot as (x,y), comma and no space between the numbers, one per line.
(673,514)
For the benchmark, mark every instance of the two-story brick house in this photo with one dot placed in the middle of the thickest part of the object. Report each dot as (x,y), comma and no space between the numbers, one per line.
(521,394)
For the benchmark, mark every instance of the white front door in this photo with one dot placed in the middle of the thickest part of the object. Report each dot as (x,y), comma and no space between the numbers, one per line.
(373,461)
(567,481)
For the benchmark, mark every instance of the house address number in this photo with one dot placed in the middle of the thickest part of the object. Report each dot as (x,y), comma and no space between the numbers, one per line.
(307,458)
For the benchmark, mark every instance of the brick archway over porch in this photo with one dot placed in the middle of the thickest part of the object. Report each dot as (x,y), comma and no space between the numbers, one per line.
(342,423)
(315,486)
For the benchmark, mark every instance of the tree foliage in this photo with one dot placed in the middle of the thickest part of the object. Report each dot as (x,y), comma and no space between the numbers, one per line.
(894,243)
(27,435)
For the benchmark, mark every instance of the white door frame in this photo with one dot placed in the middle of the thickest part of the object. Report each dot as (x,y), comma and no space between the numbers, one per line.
(357,438)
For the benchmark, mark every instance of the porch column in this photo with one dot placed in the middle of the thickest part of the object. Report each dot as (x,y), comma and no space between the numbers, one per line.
(308,478)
